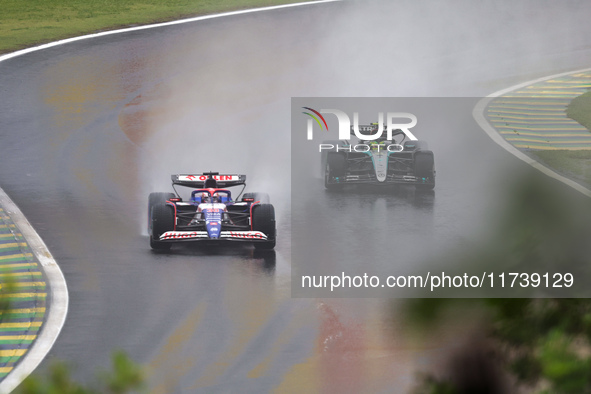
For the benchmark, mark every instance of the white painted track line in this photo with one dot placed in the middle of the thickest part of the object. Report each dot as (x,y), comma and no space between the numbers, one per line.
(144,27)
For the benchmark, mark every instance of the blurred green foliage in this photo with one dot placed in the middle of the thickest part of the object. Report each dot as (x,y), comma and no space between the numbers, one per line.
(125,377)
(541,345)
(579,110)
(7,287)
(574,164)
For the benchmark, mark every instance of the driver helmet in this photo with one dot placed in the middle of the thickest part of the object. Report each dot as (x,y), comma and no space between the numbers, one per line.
(204,197)
(216,197)
(378,144)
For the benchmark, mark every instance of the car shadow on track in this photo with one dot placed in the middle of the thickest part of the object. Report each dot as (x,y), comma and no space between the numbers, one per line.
(265,259)
(403,193)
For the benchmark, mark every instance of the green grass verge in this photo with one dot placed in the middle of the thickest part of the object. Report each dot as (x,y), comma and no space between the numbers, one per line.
(27,23)
(580,110)
(574,164)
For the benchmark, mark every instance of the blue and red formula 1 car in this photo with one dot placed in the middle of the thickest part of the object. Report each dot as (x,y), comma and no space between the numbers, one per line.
(210,215)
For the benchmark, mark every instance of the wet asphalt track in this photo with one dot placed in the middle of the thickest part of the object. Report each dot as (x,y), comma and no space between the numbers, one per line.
(88,129)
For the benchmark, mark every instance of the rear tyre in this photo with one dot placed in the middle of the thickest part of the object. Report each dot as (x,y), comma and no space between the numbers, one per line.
(162,221)
(262,197)
(263,220)
(158,198)
(425,170)
(336,166)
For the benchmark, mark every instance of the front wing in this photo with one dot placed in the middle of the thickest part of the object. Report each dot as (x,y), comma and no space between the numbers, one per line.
(372,179)
(244,236)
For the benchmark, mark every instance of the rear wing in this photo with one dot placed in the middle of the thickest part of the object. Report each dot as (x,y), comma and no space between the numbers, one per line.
(198,180)
(371,129)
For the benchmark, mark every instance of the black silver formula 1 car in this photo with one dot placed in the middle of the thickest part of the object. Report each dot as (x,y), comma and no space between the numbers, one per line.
(210,215)
(379,162)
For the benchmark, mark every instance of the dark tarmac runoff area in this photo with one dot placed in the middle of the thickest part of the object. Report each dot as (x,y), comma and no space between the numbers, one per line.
(89,129)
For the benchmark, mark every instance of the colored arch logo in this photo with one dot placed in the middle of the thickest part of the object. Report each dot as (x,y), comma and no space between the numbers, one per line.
(314,115)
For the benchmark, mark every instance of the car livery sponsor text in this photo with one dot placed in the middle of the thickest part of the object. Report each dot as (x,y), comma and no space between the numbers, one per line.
(253,235)
(244,234)
(205,177)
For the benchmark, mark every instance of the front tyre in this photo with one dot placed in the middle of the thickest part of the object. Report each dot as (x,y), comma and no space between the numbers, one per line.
(336,166)
(425,170)
(263,220)
(324,155)
(162,221)
(155,199)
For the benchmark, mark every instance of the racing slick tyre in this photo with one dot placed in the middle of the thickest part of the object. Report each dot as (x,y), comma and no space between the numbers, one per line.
(162,221)
(263,220)
(336,166)
(325,152)
(262,197)
(425,170)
